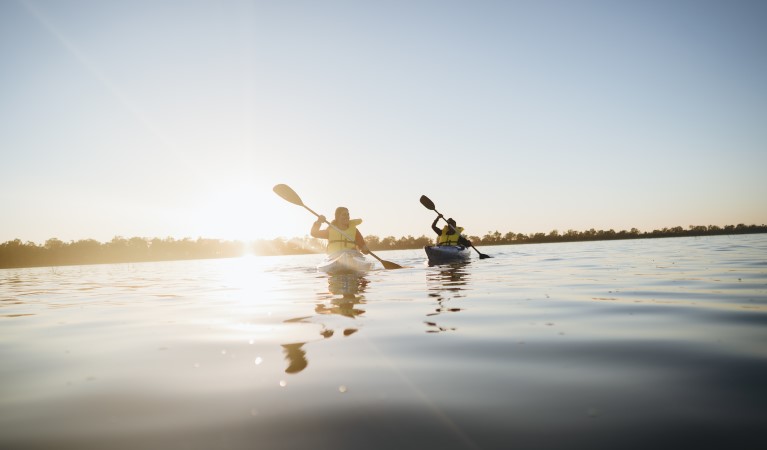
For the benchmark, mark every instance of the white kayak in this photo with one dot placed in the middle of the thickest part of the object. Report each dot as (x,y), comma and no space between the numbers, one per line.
(345,261)
(439,254)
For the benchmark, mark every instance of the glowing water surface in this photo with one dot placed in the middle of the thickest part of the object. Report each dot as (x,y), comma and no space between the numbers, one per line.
(584,345)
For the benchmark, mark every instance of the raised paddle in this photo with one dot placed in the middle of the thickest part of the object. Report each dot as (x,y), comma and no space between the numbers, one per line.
(426,201)
(284,191)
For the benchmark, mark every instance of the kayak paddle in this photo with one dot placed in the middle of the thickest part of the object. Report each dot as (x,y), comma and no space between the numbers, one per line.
(426,201)
(284,191)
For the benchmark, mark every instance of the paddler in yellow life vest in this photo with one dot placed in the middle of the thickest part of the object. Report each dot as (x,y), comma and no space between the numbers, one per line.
(450,234)
(340,241)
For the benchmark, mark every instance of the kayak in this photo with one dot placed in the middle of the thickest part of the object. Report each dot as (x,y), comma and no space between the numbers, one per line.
(447,253)
(345,261)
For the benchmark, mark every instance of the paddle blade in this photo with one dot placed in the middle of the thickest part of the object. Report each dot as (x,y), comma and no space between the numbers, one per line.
(481,255)
(284,191)
(425,201)
(390,265)
(386,264)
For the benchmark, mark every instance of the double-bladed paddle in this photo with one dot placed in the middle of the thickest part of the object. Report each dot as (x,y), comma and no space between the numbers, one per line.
(426,201)
(284,191)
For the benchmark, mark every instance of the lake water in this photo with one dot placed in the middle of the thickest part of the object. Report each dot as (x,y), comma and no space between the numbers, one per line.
(625,344)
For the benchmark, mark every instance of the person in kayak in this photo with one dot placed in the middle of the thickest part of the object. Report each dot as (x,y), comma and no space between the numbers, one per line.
(340,241)
(450,234)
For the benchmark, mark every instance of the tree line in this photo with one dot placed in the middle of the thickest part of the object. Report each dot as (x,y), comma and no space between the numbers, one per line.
(55,252)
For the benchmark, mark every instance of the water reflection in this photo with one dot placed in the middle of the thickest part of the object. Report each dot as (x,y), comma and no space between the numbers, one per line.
(445,283)
(343,298)
(296,357)
(347,285)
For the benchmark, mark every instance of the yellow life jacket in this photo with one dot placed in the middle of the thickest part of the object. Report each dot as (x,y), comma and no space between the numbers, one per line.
(338,242)
(449,239)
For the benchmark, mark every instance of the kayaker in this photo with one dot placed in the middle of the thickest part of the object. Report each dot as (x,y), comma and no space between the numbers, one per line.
(450,234)
(339,241)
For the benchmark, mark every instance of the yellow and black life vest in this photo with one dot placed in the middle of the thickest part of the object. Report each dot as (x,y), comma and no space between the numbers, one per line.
(449,239)
(338,242)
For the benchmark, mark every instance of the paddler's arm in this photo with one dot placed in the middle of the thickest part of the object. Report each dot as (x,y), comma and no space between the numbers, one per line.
(316,232)
(434,225)
(360,241)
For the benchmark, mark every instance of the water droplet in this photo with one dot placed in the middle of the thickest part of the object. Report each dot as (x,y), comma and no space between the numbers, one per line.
(223,352)
(251,341)
(342,389)
(283,383)
(196,365)
(259,361)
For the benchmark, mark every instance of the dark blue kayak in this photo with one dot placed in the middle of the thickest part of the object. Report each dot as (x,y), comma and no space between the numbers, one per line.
(438,254)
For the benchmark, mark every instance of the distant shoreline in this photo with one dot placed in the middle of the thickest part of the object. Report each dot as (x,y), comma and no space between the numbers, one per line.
(54,252)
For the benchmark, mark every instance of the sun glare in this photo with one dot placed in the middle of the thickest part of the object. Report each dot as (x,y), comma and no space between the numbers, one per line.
(246,215)
(248,275)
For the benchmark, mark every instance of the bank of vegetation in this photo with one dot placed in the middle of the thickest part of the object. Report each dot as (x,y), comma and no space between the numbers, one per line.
(55,252)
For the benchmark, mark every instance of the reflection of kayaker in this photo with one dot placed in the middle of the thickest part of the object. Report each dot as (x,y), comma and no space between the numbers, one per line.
(347,290)
(445,285)
(347,285)
(296,357)
(343,307)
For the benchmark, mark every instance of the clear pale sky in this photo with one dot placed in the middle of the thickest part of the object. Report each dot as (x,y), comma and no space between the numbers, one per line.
(176,118)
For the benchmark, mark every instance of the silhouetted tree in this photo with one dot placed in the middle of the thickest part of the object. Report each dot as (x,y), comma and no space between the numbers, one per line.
(56,252)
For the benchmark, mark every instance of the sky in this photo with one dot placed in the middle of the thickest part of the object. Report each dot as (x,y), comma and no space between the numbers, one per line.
(176,118)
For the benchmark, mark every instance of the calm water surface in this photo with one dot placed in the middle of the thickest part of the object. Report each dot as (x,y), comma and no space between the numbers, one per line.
(627,344)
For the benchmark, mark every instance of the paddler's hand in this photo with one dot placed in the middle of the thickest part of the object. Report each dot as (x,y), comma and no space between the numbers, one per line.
(321,219)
